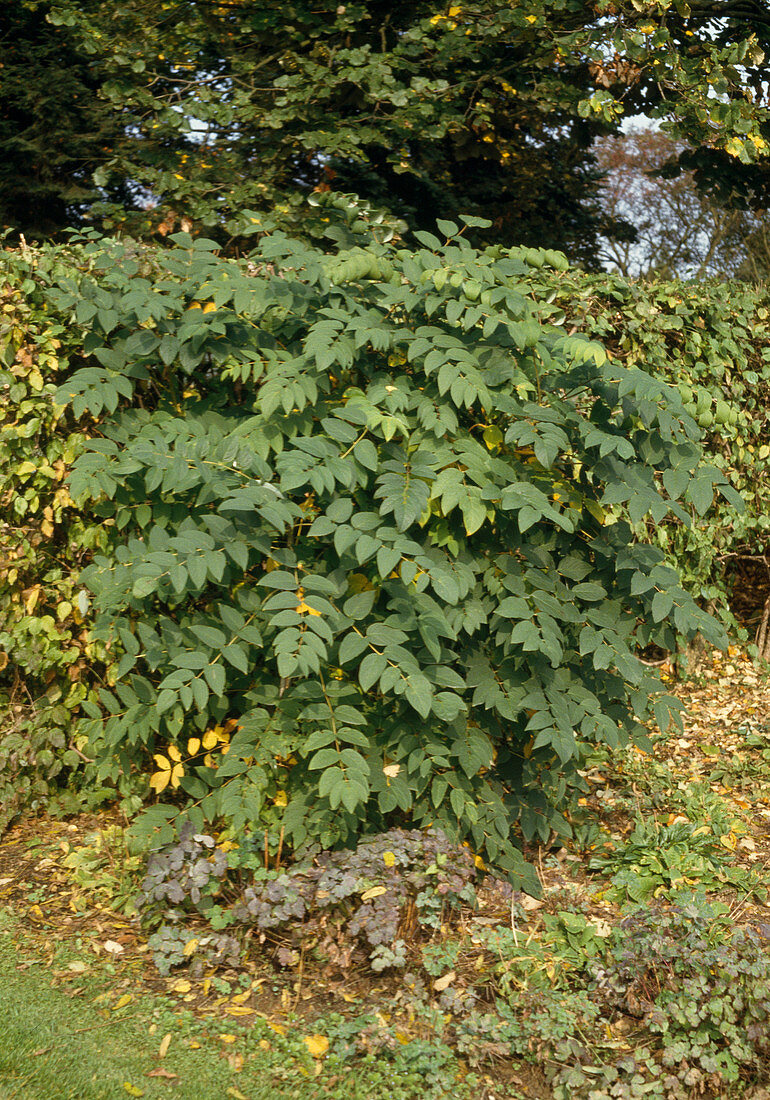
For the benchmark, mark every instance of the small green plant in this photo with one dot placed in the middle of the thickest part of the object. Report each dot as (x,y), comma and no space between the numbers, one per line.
(657,858)
(107,866)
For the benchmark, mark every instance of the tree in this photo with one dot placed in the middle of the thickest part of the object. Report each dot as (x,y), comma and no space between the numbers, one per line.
(482,107)
(54,130)
(675,229)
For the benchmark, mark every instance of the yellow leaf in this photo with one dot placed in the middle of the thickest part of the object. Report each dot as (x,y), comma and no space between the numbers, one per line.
(132,1090)
(126,999)
(444,981)
(392,770)
(209,307)
(193,745)
(209,761)
(182,986)
(159,781)
(388,859)
(235,1094)
(276,1027)
(375,892)
(163,762)
(730,841)
(210,739)
(493,437)
(305,609)
(239,1010)
(176,775)
(174,753)
(227,1038)
(317,1045)
(190,947)
(359,582)
(30,598)
(281,799)
(164,1045)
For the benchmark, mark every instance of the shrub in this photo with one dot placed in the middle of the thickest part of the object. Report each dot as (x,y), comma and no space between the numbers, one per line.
(372,511)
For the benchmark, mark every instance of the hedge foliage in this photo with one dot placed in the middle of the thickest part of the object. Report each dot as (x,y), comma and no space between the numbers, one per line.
(46,659)
(365,528)
(712,341)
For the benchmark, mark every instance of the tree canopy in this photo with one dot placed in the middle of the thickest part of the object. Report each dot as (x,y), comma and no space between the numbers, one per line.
(481,107)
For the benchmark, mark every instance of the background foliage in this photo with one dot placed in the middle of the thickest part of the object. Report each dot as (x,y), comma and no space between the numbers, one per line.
(197,109)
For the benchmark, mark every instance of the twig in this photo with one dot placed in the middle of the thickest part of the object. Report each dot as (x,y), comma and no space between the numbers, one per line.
(75,749)
(762,632)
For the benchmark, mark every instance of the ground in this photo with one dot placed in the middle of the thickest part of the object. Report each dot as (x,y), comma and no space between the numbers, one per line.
(500,1002)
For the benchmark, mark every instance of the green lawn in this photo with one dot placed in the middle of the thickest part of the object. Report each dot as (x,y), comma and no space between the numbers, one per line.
(56,1046)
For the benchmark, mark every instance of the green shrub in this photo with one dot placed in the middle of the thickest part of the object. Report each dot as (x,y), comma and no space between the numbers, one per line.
(370,556)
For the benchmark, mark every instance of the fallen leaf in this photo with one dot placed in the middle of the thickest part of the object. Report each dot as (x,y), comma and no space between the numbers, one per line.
(236,1094)
(227,1038)
(239,1010)
(182,986)
(530,904)
(375,892)
(113,948)
(161,1072)
(164,1045)
(122,1002)
(317,1045)
(444,981)
(77,967)
(132,1090)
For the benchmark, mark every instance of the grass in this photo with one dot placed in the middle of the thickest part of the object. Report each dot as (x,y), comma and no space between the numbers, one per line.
(61,1043)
